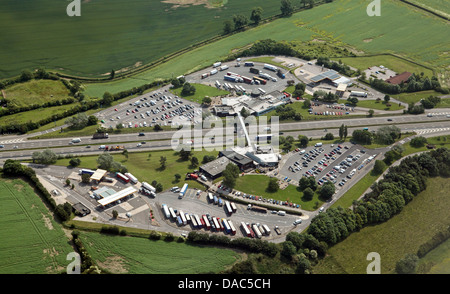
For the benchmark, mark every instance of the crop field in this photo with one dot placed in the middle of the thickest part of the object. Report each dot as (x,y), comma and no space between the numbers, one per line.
(31,241)
(404,233)
(340,22)
(117,34)
(441,7)
(133,255)
(36,92)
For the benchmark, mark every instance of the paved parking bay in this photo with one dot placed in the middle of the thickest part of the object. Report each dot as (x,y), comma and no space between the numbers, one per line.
(157,107)
(271,86)
(323,162)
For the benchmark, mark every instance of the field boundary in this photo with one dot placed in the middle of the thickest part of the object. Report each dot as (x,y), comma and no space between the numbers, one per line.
(426,9)
(393,55)
(170,56)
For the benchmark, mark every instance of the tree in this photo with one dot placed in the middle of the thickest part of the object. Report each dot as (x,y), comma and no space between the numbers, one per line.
(240,21)
(105,161)
(387,135)
(256,15)
(371,112)
(418,142)
(162,162)
(75,162)
(308,194)
(26,75)
(228,27)
(185,154)
(194,161)
(157,127)
(108,98)
(85,178)
(78,121)
(353,100)
(328,136)
(288,250)
(387,98)
(125,153)
(379,167)
(112,74)
(177,177)
(345,132)
(327,190)
(92,120)
(286,8)
(303,140)
(362,137)
(273,186)
(341,132)
(115,214)
(45,157)
(303,265)
(407,265)
(244,112)
(188,90)
(230,174)
(206,100)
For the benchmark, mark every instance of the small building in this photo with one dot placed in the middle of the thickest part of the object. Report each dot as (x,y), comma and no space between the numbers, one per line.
(214,169)
(399,79)
(341,88)
(243,162)
(80,210)
(98,175)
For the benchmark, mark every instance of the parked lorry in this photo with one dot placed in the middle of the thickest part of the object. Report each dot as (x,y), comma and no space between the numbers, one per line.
(358,94)
(254,70)
(280,74)
(100,136)
(123,177)
(148,187)
(270,67)
(277,230)
(165,209)
(245,229)
(183,191)
(257,208)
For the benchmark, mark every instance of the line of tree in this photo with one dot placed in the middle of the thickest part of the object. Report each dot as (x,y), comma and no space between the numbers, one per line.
(415,83)
(337,66)
(387,197)
(14,168)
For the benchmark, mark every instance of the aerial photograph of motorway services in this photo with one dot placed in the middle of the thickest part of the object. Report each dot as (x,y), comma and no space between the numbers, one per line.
(179,138)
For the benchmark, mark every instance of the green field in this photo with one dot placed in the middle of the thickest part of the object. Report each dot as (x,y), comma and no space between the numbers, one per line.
(201,91)
(328,22)
(437,261)
(404,233)
(143,256)
(31,241)
(256,185)
(36,92)
(126,34)
(415,97)
(147,168)
(394,63)
(375,105)
(441,7)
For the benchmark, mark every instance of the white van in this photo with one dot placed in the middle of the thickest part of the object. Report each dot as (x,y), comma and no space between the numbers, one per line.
(76,140)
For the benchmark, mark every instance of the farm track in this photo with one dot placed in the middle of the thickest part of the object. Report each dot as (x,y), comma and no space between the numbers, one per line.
(43,239)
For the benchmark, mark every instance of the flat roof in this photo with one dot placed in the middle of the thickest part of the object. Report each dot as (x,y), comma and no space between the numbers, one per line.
(98,174)
(117,196)
(216,166)
(342,87)
(331,75)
